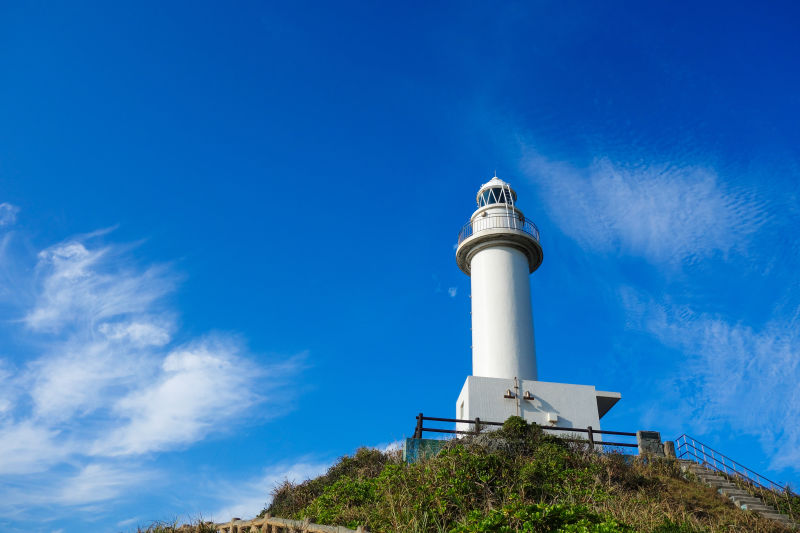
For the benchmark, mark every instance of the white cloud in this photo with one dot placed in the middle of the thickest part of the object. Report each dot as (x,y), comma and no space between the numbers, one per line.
(138,333)
(390,447)
(452,291)
(82,287)
(27,447)
(666,214)
(736,376)
(199,386)
(76,377)
(8,214)
(247,498)
(98,482)
(105,384)
(74,488)
(7,392)
(129,521)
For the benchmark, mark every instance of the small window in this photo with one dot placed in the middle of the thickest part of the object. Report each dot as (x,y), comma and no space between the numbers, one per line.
(494,196)
(503,196)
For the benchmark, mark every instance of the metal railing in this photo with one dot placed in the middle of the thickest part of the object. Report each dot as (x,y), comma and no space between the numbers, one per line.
(687,447)
(478,425)
(511,221)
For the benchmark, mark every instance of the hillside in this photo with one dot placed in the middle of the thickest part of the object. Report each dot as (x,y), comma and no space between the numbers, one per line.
(514,479)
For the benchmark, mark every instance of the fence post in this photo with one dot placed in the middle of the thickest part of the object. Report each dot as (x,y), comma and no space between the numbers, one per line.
(477,425)
(591,438)
(669,449)
(418,430)
(650,443)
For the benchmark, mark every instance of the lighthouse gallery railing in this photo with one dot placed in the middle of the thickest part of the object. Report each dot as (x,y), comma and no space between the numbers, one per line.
(498,222)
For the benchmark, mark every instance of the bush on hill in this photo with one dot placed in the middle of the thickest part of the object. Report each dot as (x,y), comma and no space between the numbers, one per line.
(515,479)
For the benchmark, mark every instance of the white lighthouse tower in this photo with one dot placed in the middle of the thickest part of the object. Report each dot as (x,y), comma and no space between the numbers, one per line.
(499,248)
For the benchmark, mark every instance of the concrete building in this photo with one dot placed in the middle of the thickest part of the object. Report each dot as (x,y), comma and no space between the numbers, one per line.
(499,248)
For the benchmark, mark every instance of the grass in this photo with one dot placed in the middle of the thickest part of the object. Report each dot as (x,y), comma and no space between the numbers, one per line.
(513,480)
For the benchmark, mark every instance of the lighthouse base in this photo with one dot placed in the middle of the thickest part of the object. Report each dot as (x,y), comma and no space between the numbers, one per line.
(560,405)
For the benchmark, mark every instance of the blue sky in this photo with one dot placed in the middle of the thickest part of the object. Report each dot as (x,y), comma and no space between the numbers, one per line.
(227,233)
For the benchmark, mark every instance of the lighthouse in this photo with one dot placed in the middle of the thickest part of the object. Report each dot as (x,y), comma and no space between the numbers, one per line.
(499,248)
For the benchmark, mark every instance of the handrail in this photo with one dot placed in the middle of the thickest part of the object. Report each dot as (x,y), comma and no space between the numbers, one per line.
(687,446)
(478,423)
(513,221)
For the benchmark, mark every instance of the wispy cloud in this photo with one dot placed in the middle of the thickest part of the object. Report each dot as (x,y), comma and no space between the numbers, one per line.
(665,214)
(245,499)
(389,447)
(28,447)
(452,291)
(80,287)
(8,214)
(106,385)
(198,386)
(70,488)
(98,482)
(736,368)
(735,375)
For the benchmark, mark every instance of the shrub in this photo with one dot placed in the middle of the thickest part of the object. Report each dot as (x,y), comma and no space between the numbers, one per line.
(342,502)
(515,427)
(288,498)
(540,518)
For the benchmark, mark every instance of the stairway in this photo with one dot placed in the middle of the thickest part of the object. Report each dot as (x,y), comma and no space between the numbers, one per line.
(738,496)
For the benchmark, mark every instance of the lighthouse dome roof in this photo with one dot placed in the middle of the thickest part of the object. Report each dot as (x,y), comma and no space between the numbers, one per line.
(493,192)
(494,182)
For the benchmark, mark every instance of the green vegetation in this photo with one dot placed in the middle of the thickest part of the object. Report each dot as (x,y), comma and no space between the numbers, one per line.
(513,480)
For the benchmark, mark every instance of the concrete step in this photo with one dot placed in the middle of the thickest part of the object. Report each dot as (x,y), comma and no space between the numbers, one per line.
(739,493)
(697,466)
(773,516)
(757,507)
(744,500)
(777,517)
(704,472)
(713,480)
(740,497)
